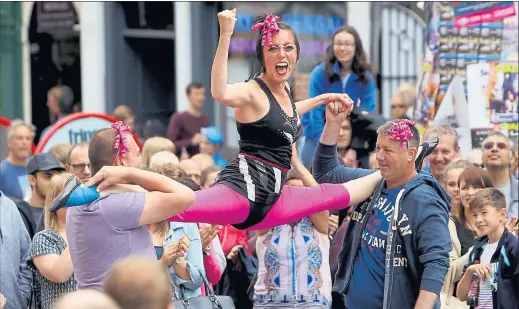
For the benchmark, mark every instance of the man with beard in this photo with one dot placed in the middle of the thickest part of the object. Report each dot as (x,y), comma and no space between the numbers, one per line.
(497,154)
(41,168)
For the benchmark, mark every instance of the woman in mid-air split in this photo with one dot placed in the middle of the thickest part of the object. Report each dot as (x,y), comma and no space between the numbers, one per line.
(249,192)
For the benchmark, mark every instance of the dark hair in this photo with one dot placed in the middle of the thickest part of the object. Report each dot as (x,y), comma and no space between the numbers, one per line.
(359,64)
(101,150)
(194,85)
(65,97)
(488,196)
(188,182)
(259,47)
(476,177)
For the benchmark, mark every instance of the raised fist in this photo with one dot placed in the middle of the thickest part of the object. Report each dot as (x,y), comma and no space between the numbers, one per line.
(227,20)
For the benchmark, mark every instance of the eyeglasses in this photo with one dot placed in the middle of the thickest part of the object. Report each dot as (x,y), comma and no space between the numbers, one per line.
(345,44)
(500,145)
(397,106)
(80,167)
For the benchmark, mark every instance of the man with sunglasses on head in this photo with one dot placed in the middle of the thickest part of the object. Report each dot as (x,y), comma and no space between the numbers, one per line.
(497,155)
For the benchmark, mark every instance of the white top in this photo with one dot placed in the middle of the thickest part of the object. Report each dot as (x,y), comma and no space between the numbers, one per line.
(293,268)
(486,287)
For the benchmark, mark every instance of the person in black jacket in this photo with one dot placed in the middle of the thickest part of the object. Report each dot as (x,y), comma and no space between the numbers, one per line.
(496,253)
(41,167)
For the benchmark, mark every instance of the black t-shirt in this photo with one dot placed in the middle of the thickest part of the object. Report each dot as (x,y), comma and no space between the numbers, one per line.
(465,236)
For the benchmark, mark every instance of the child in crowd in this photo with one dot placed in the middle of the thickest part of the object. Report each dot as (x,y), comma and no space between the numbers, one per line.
(496,252)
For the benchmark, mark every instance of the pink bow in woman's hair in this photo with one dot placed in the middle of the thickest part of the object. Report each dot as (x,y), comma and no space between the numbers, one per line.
(121,143)
(268,26)
(401,131)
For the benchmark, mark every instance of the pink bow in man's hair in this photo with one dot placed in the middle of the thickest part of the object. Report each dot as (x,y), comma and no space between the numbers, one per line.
(121,143)
(268,26)
(401,131)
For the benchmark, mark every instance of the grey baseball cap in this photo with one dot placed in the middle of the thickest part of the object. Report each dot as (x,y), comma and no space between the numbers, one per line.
(45,161)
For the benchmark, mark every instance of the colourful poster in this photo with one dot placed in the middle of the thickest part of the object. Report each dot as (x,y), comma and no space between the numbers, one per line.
(503,92)
(474,13)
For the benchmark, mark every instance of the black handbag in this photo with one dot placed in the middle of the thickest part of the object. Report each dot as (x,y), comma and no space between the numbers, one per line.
(210,301)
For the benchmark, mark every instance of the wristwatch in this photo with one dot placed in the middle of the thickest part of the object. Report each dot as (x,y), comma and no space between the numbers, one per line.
(178,260)
(207,251)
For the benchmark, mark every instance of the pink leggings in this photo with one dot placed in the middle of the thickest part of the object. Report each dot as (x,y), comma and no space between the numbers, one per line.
(220,205)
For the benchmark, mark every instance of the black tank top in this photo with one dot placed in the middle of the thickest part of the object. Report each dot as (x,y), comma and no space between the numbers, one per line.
(260,170)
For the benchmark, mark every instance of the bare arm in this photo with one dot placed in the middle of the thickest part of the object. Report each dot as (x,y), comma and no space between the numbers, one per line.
(307,105)
(426,300)
(56,268)
(165,198)
(361,189)
(463,286)
(234,95)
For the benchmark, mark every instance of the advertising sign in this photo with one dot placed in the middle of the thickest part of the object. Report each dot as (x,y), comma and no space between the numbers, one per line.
(76,128)
(474,13)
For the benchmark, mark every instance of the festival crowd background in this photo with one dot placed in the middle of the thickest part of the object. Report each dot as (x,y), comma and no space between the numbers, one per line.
(36,268)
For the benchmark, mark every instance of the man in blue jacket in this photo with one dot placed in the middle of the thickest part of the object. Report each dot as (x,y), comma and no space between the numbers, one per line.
(396,249)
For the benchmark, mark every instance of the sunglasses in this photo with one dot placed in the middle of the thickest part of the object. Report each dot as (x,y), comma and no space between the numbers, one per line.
(500,145)
(80,167)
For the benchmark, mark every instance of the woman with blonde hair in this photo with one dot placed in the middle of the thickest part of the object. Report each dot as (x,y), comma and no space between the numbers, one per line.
(49,255)
(154,145)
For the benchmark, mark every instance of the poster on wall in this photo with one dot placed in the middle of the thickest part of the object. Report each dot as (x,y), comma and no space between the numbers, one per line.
(503,92)
(314,23)
(477,12)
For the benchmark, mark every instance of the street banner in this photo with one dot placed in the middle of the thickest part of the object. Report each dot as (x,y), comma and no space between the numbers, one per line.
(478,12)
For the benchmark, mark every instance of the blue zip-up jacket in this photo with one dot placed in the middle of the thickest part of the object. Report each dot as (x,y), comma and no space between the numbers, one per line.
(506,255)
(422,239)
(313,121)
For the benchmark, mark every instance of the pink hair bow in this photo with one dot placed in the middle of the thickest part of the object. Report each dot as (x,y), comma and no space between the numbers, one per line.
(121,143)
(269,26)
(401,131)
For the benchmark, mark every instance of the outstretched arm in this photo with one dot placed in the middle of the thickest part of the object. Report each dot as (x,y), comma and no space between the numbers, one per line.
(234,95)
(326,166)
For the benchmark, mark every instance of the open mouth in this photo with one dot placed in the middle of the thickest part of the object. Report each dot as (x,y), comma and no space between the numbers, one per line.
(282,68)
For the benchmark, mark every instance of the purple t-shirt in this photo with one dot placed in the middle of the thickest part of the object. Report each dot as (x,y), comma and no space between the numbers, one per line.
(103,232)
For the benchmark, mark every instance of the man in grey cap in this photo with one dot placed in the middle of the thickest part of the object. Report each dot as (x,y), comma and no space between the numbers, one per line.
(40,168)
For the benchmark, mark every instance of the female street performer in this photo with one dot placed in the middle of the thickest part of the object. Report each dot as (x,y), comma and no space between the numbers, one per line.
(249,193)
